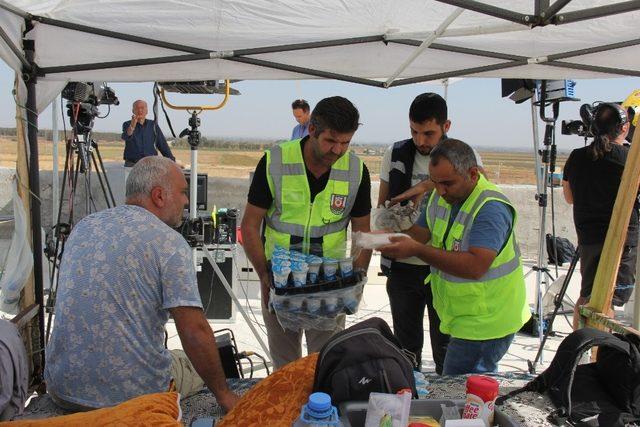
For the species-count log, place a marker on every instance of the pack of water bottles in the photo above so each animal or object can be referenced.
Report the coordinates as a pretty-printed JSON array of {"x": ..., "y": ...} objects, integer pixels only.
[{"x": 310, "y": 292}]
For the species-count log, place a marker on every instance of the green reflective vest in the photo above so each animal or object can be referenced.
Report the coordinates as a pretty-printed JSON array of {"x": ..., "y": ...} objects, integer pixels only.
[
  {"x": 293, "y": 221},
  {"x": 493, "y": 306}
]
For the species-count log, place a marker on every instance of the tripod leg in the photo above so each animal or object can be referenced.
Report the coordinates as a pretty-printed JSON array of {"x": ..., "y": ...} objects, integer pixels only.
[
  {"x": 99, "y": 173},
  {"x": 558, "y": 303},
  {"x": 106, "y": 179}
]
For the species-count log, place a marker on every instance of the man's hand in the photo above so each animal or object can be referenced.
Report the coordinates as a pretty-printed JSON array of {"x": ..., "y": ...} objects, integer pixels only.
[
  {"x": 132, "y": 125},
  {"x": 400, "y": 247},
  {"x": 415, "y": 193}
]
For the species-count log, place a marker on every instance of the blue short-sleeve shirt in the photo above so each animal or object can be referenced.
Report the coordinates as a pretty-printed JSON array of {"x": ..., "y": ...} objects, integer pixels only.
[{"x": 122, "y": 269}]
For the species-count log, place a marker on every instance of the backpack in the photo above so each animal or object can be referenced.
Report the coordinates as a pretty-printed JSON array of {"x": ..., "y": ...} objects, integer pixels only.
[
  {"x": 561, "y": 247},
  {"x": 603, "y": 393},
  {"x": 364, "y": 358}
]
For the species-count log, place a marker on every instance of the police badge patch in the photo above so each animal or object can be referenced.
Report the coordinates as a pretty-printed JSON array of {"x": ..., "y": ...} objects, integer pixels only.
[
  {"x": 338, "y": 203},
  {"x": 456, "y": 245}
]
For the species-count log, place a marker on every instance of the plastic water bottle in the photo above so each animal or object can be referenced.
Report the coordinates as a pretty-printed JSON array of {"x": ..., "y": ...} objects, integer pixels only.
[{"x": 318, "y": 412}]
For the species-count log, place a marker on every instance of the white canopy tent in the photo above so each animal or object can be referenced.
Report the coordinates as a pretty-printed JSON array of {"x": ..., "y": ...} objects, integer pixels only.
[{"x": 372, "y": 42}]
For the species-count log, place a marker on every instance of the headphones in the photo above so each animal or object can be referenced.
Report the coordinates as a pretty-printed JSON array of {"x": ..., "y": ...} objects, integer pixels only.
[{"x": 621, "y": 116}]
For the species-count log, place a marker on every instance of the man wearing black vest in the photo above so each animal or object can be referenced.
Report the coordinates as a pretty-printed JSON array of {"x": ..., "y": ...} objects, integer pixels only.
[{"x": 405, "y": 164}]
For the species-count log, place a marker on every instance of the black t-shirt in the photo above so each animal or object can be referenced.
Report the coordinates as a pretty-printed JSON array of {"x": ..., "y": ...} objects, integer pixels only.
[
  {"x": 594, "y": 185},
  {"x": 260, "y": 194}
]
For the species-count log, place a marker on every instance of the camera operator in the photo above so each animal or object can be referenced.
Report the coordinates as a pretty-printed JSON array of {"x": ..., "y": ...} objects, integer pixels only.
[
  {"x": 141, "y": 136},
  {"x": 592, "y": 175}
]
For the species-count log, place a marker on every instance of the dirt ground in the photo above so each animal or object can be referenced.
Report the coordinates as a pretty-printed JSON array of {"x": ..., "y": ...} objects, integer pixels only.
[{"x": 502, "y": 167}]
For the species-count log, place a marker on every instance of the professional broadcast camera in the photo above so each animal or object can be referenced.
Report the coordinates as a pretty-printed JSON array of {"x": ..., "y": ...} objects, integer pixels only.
[
  {"x": 629, "y": 112},
  {"x": 580, "y": 127},
  {"x": 84, "y": 99}
]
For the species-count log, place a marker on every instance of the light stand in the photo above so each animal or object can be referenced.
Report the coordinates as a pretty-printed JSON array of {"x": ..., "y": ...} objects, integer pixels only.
[
  {"x": 193, "y": 138},
  {"x": 546, "y": 166}
]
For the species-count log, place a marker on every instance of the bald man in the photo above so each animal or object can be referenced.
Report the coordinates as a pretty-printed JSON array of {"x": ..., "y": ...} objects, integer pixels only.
[{"x": 142, "y": 137}]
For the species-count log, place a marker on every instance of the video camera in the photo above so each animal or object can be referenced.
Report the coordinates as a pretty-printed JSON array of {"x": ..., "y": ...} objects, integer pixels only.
[
  {"x": 84, "y": 99},
  {"x": 588, "y": 113},
  {"x": 580, "y": 127}
]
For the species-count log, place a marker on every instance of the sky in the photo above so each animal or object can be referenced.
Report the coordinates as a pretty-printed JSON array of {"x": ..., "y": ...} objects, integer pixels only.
[{"x": 479, "y": 115}]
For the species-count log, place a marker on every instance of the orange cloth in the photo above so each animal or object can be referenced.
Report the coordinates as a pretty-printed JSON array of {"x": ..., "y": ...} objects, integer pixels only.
[
  {"x": 276, "y": 400},
  {"x": 153, "y": 410}
]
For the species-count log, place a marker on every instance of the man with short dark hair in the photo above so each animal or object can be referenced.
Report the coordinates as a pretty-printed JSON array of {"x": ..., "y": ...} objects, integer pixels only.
[
  {"x": 405, "y": 164},
  {"x": 476, "y": 272},
  {"x": 142, "y": 137},
  {"x": 294, "y": 191},
  {"x": 302, "y": 113},
  {"x": 123, "y": 272}
]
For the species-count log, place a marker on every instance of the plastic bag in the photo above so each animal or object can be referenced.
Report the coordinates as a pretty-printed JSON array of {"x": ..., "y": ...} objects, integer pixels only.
[
  {"x": 372, "y": 240},
  {"x": 19, "y": 259},
  {"x": 395, "y": 217},
  {"x": 318, "y": 310},
  {"x": 388, "y": 410}
]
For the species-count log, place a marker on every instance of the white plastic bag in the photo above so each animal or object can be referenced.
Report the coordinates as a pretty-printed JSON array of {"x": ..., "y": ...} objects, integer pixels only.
[
  {"x": 388, "y": 410},
  {"x": 19, "y": 261}
]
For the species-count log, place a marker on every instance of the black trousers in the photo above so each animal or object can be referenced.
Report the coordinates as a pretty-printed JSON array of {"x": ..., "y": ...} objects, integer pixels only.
[{"x": 408, "y": 296}]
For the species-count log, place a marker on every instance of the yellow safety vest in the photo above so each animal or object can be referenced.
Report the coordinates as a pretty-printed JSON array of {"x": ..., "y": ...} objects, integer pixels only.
[
  {"x": 495, "y": 305},
  {"x": 293, "y": 221}
]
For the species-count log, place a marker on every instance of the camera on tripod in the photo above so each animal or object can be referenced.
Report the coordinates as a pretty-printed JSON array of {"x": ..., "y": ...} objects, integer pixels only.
[
  {"x": 580, "y": 127},
  {"x": 84, "y": 99}
]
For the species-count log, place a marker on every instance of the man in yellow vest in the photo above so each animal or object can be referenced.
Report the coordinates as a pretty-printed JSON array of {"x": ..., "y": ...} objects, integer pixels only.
[
  {"x": 476, "y": 272},
  {"x": 307, "y": 191}
]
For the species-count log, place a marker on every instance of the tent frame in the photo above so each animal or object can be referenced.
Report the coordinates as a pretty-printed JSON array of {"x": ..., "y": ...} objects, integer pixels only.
[{"x": 545, "y": 14}]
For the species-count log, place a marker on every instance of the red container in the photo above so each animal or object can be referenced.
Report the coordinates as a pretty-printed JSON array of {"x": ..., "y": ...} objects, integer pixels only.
[{"x": 481, "y": 395}]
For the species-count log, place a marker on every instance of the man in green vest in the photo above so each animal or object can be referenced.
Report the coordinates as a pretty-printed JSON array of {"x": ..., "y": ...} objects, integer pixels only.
[
  {"x": 306, "y": 192},
  {"x": 476, "y": 272}
]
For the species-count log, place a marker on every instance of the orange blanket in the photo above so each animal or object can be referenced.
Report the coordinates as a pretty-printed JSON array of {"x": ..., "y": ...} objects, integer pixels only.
[
  {"x": 159, "y": 409},
  {"x": 276, "y": 400}
]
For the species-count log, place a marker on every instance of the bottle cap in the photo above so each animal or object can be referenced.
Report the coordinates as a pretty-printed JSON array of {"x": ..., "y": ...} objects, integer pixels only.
[
  {"x": 319, "y": 405},
  {"x": 485, "y": 388}
]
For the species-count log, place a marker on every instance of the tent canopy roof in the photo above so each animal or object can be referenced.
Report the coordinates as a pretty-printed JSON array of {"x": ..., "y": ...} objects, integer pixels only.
[{"x": 367, "y": 41}]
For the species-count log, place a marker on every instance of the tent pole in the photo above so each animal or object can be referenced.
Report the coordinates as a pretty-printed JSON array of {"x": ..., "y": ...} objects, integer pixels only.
[
  {"x": 458, "y": 73},
  {"x": 595, "y": 12},
  {"x": 34, "y": 184},
  {"x": 25, "y": 64},
  {"x": 496, "y": 12},
  {"x": 55, "y": 137},
  {"x": 597, "y": 69},
  {"x": 425, "y": 45}
]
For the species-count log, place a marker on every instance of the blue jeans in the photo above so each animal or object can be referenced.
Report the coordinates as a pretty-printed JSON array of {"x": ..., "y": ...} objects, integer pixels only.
[{"x": 475, "y": 357}]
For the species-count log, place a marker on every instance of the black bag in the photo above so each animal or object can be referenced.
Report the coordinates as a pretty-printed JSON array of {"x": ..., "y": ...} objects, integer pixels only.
[
  {"x": 604, "y": 393},
  {"x": 561, "y": 247},
  {"x": 362, "y": 359}
]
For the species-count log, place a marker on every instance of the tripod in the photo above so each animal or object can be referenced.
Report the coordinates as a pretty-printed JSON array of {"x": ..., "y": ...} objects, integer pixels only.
[
  {"x": 557, "y": 302},
  {"x": 544, "y": 166},
  {"x": 82, "y": 156}
]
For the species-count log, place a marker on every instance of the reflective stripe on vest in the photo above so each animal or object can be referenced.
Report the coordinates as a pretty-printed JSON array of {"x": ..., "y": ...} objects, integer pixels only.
[{"x": 285, "y": 160}]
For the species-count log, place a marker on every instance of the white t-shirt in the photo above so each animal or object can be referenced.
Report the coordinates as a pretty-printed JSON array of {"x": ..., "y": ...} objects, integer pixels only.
[{"x": 419, "y": 173}]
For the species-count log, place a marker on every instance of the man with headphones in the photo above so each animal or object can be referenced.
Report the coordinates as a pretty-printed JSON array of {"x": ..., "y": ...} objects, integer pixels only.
[{"x": 592, "y": 175}]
